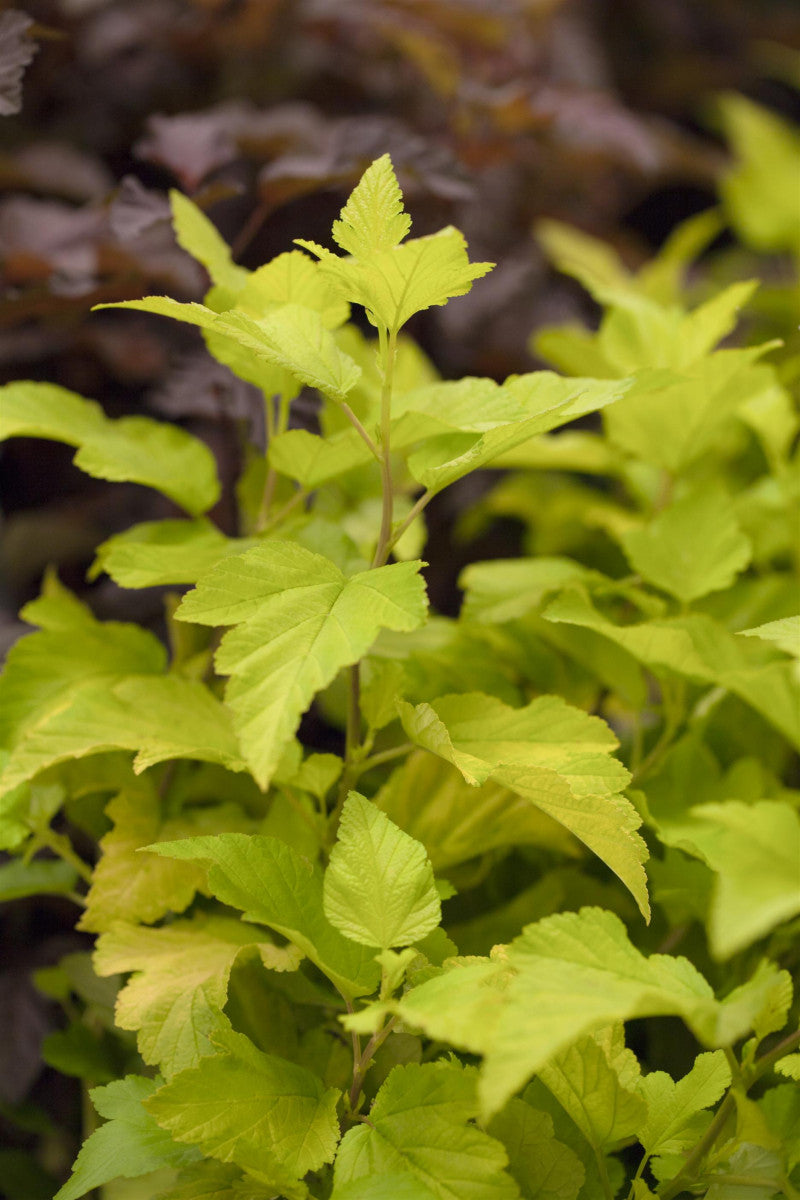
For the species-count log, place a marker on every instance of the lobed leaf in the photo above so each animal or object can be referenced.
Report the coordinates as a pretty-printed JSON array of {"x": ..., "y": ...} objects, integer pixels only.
[
  {"x": 298, "y": 620},
  {"x": 562, "y": 978},
  {"x": 262, "y": 1112},
  {"x": 597, "y": 1081},
  {"x": 175, "y": 997}
]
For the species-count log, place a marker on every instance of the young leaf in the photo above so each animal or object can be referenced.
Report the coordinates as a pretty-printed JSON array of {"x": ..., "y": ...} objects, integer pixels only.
[
  {"x": 597, "y": 1082},
  {"x": 379, "y": 888},
  {"x": 132, "y": 449},
  {"x": 373, "y": 218},
  {"x": 549, "y": 401},
  {"x": 259, "y": 1111},
  {"x": 175, "y": 998},
  {"x": 128, "y": 1145},
  {"x": 196, "y": 234},
  {"x": 275, "y": 886},
  {"x": 544, "y": 1167},
  {"x": 555, "y": 756},
  {"x": 671, "y": 1107},
  {"x": 395, "y": 284},
  {"x": 691, "y": 548},
  {"x": 299, "y": 621},
  {"x": 504, "y": 589},
  {"x": 418, "y": 1125}
]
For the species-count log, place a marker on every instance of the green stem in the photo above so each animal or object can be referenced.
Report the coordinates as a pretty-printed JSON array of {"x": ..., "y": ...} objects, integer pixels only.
[
  {"x": 62, "y": 846},
  {"x": 600, "y": 1159},
  {"x": 694, "y": 1159},
  {"x": 419, "y": 505},
  {"x": 360, "y": 430},
  {"x": 364, "y": 1062},
  {"x": 284, "y": 511},
  {"x": 388, "y": 348},
  {"x": 673, "y": 717},
  {"x": 383, "y": 756}
]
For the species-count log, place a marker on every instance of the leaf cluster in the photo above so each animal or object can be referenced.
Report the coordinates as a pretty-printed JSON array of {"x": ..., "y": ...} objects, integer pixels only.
[{"x": 406, "y": 968}]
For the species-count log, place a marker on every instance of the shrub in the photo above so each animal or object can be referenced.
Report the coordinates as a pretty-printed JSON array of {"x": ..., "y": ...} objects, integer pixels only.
[{"x": 405, "y": 969}]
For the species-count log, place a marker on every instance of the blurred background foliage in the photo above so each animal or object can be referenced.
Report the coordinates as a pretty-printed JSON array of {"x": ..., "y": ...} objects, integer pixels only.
[{"x": 510, "y": 119}]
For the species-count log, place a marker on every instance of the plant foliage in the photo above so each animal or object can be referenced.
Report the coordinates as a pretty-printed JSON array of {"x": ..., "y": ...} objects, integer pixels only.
[{"x": 406, "y": 969}]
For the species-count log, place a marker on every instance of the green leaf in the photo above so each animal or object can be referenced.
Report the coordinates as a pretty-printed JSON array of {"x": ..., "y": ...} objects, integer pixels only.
[
  {"x": 789, "y": 1066},
  {"x": 418, "y": 1125},
  {"x": 42, "y": 876},
  {"x": 295, "y": 338},
  {"x": 597, "y": 1082},
  {"x": 275, "y": 886},
  {"x": 758, "y": 192},
  {"x": 196, "y": 234},
  {"x": 291, "y": 337},
  {"x": 754, "y": 850},
  {"x": 259, "y": 1111},
  {"x": 670, "y": 1127},
  {"x": 559, "y": 980},
  {"x": 128, "y": 1145},
  {"x": 128, "y": 449},
  {"x": 379, "y": 888},
  {"x": 544, "y": 1167},
  {"x": 384, "y": 1187},
  {"x": 160, "y": 717},
  {"x": 783, "y": 633},
  {"x": 691, "y": 548},
  {"x": 291, "y": 278},
  {"x": 505, "y": 589},
  {"x": 299, "y": 621},
  {"x": 180, "y": 983},
  {"x": 546, "y": 401},
  {"x": 159, "y": 552},
  {"x": 82, "y": 1053},
  {"x": 554, "y": 755},
  {"x": 781, "y": 1107},
  {"x": 431, "y": 801},
  {"x": 373, "y": 218},
  {"x": 210, "y": 1180},
  {"x": 145, "y": 887},
  {"x": 672, "y": 419},
  {"x": 700, "y": 649}
]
